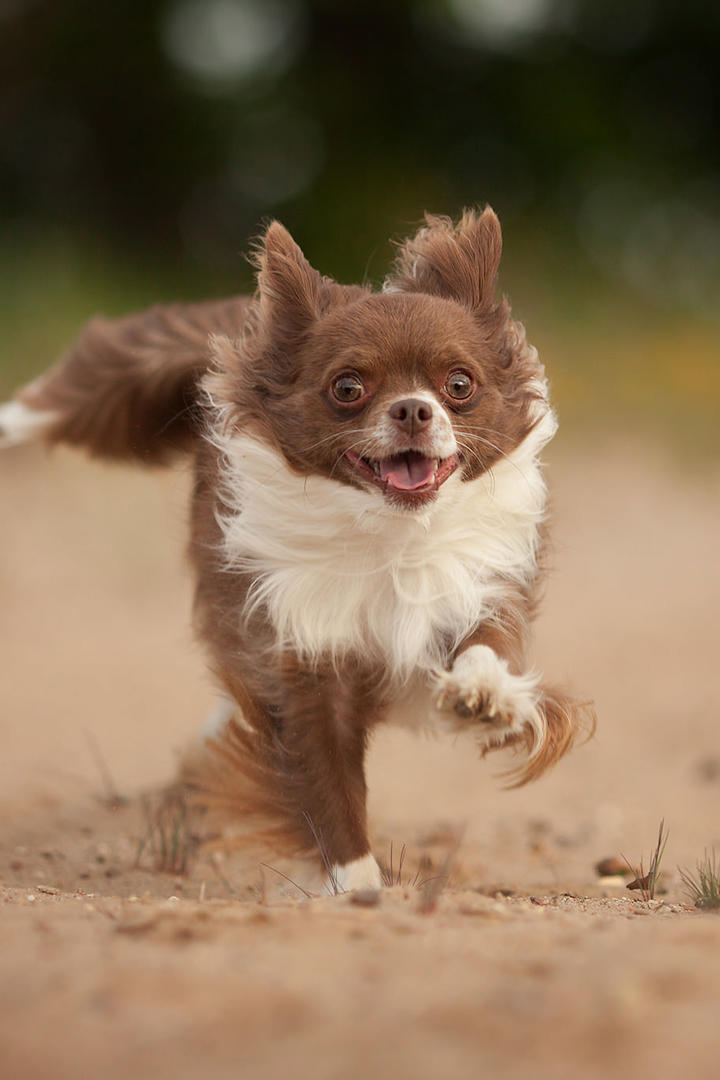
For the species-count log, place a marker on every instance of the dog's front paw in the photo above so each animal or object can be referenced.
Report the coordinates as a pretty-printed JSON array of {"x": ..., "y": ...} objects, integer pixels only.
[
  {"x": 362, "y": 873},
  {"x": 481, "y": 694}
]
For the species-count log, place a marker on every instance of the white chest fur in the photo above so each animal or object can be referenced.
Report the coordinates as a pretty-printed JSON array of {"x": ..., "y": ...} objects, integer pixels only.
[{"x": 338, "y": 571}]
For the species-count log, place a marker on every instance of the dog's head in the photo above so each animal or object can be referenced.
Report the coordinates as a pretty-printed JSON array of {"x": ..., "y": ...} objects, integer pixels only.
[{"x": 392, "y": 392}]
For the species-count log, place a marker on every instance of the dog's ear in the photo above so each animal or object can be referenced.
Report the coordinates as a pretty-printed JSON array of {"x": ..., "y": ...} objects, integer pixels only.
[
  {"x": 291, "y": 293},
  {"x": 459, "y": 262}
]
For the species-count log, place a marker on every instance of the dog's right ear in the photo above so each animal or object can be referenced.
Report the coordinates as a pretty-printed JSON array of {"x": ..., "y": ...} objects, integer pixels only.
[{"x": 291, "y": 294}]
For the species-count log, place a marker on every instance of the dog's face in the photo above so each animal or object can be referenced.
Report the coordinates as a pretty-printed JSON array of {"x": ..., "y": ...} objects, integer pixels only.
[
  {"x": 395, "y": 393},
  {"x": 392, "y": 392}
]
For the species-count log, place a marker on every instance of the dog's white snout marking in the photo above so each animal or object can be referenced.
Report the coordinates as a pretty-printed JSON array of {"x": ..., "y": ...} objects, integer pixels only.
[{"x": 419, "y": 417}]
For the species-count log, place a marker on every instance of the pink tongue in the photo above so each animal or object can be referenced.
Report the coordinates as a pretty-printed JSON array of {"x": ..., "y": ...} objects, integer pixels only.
[{"x": 407, "y": 472}]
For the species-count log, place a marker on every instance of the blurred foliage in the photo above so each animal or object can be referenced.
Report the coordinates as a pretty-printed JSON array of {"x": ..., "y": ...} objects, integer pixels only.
[{"x": 143, "y": 143}]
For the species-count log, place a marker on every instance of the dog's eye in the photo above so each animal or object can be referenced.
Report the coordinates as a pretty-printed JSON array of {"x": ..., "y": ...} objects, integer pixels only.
[
  {"x": 348, "y": 388},
  {"x": 458, "y": 385}
]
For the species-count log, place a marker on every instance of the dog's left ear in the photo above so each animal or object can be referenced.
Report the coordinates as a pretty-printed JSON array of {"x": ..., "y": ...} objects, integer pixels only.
[{"x": 459, "y": 262}]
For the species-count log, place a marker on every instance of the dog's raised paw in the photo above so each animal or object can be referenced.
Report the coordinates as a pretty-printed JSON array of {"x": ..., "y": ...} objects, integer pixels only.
[{"x": 481, "y": 694}]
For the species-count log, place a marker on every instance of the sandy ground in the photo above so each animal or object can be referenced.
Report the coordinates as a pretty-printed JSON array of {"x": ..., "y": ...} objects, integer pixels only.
[{"x": 528, "y": 962}]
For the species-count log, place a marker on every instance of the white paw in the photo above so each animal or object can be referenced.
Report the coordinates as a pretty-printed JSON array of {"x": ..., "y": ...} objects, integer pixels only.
[
  {"x": 480, "y": 694},
  {"x": 19, "y": 424},
  {"x": 361, "y": 873}
]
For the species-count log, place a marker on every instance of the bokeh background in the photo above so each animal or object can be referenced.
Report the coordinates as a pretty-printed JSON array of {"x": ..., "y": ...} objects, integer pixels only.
[{"x": 144, "y": 142}]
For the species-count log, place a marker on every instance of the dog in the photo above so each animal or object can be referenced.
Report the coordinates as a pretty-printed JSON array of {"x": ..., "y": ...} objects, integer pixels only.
[{"x": 368, "y": 516}]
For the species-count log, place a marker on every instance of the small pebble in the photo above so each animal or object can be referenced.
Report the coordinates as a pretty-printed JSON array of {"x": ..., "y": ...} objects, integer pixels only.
[
  {"x": 708, "y": 769},
  {"x": 611, "y": 866}
]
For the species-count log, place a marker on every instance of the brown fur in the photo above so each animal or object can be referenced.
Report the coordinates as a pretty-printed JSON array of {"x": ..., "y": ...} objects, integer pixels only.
[
  {"x": 304, "y": 322},
  {"x": 128, "y": 388},
  {"x": 291, "y": 764},
  {"x": 294, "y": 770},
  {"x": 566, "y": 718}
]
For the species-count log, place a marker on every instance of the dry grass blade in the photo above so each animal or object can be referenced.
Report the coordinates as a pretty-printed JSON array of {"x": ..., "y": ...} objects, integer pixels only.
[
  {"x": 275, "y": 870},
  {"x": 329, "y": 868},
  {"x": 112, "y": 797},
  {"x": 390, "y": 876},
  {"x": 431, "y": 888},
  {"x": 704, "y": 889},
  {"x": 393, "y": 876},
  {"x": 647, "y": 882},
  {"x": 214, "y": 863},
  {"x": 168, "y": 837}
]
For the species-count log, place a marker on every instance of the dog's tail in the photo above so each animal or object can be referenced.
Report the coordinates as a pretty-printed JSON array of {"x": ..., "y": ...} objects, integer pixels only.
[{"x": 126, "y": 388}]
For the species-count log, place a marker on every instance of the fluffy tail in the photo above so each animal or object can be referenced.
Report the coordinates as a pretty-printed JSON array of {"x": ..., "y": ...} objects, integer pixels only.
[{"x": 126, "y": 388}]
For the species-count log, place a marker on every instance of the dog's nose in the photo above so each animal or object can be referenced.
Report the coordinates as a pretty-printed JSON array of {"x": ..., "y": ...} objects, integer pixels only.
[{"x": 411, "y": 414}]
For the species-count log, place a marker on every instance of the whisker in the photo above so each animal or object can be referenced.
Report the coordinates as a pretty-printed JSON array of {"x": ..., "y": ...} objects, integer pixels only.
[
  {"x": 358, "y": 446},
  {"x": 336, "y": 435},
  {"x": 498, "y": 449},
  {"x": 486, "y": 473}
]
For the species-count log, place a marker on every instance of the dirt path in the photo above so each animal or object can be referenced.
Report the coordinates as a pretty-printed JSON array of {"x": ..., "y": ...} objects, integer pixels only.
[{"x": 528, "y": 965}]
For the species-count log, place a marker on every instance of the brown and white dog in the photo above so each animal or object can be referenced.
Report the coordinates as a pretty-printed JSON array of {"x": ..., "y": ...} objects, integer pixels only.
[{"x": 367, "y": 516}]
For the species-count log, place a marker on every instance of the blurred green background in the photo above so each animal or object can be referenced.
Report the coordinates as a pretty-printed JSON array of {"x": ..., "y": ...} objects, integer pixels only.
[{"x": 144, "y": 142}]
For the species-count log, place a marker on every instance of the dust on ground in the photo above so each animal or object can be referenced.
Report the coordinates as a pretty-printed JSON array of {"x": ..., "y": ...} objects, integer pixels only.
[{"x": 525, "y": 962}]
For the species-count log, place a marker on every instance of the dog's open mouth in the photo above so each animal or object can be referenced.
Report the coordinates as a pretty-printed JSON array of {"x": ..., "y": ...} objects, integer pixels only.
[{"x": 408, "y": 475}]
